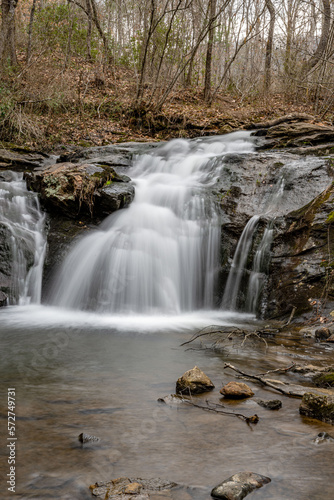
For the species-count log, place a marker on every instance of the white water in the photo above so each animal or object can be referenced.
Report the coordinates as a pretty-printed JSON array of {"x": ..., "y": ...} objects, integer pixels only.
[
  {"x": 23, "y": 222},
  {"x": 257, "y": 276},
  {"x": 160, "y": 255}
]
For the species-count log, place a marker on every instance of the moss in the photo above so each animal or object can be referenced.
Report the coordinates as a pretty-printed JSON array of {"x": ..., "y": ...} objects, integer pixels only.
[
  {"x": 320, "y": 407},
  {"x": 324, "y": 380},
  {"x": 330, "y": 217}
]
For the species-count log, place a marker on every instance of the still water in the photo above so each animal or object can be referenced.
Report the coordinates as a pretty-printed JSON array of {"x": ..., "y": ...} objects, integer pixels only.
[{"x": 76, "y": 374}]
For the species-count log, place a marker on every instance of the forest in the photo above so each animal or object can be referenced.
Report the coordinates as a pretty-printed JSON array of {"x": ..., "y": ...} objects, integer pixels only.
[{"x": 96, "y": 72}]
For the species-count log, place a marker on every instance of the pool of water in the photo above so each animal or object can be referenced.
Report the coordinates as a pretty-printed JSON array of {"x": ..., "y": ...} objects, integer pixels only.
[{"x": 77, "y": 373}]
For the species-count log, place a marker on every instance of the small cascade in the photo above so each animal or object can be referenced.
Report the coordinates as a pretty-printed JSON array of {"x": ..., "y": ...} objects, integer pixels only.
[
  {"x": 260, "y": 270},
  {"x": 232, "y": 288},
  {"x": 240, "y": 276},
  {"x": 23, "y": 241},
  {"x": 161, "y": 254}
]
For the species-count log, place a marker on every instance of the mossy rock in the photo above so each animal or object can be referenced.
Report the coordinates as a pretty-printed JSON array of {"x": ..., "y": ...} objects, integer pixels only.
[
  {"x": 319, "y": 407},
  {"x": 324, "y": 380}
]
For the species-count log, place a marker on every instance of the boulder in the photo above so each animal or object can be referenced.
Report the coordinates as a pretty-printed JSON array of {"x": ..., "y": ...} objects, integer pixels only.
[
  {"x": 239, "y": 485},
  {"x": 322, "y": 333},
  {"x": 236, "y": 390},
  {"x": 318, "y": 406},
  {"x": 324, "y": 379},
  {"x": 86, "y": 189},
  {"x": 194, "y": 381},
  {"x": 273, "y": 404}
]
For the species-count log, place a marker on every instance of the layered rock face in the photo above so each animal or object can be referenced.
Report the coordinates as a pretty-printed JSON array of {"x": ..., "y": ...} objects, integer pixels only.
[{"x": 294, "y": 194}]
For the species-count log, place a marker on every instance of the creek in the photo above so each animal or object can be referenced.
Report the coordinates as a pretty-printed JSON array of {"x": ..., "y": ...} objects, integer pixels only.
[{"x": 106, "y": 346}]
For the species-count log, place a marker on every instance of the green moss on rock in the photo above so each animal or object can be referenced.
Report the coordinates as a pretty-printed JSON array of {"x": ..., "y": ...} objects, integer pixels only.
[
  {"x": 319, "y": 407},
  {"x": 324, "y": 380}
]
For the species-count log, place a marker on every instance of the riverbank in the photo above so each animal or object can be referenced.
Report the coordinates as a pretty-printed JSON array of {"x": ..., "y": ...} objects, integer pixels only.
[{"x": 90, "y": 110}]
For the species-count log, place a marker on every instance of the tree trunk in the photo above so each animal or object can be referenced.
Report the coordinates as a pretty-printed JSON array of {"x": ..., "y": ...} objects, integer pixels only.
[
  {"x": 326, "y": 24},
  {"x": 7, "y": 35},
  {"x": 31, "y": 22},
  {"x": 208, "y": 62},
  {"x": 269, "y": 46},
  {"x": 89, "y": 30}
]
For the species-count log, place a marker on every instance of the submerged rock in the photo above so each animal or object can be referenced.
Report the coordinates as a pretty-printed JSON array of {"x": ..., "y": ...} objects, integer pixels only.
[
  {"x": 194, "y": 381},
  {"x": 323, "y": 437},
  {"x": 273, "y": 404},
  {"x": 317, "y": 406},
  {"x": 236, "y": 390},
  {"x": 125, "y": 488},
  {"x": 239, "y": 485},
  {"x": 86, "y": 438}
]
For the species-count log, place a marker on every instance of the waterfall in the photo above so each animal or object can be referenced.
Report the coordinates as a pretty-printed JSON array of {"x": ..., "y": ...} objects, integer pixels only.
[
  {"x": 161, "y": 254},
  {"x": 260, "y": 270},
  {"x": 238, "y": 265},
  {"x": 239, "y": 272},
  {"x": 23, "y": 242}
]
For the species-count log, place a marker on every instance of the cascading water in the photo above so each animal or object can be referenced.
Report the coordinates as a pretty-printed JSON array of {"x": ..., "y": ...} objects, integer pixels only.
[
  {"x": 258, "y": 273},
  {"x": 160, "y": 255},
  {"x": 23, "y": 240},
  {"x": 237, "y": 270}
]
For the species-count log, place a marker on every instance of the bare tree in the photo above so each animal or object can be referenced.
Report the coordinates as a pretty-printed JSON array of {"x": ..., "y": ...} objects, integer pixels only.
[
  {"x": 7, "y": 34},
  {"x": 208, "y": 62},
  {"x": 322, "y": 45},
  {"x": 269, "y": 46}
]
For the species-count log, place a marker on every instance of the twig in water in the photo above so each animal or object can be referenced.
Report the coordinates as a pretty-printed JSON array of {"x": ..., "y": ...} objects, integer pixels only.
[
  {"x": 217, "y": 408},
  {"x": 264, "y": 382}
]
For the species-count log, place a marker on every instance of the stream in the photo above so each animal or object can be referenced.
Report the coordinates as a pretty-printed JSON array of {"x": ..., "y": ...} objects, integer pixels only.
[{"x": 96, "y": 358}]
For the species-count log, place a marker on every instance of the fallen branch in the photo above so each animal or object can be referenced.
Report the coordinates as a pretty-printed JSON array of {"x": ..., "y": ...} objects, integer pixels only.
[
  {"x": 202, "y": 333},
  {"x": 264, "y": 382},
  {"x": 277, "y": 370},
  {"x": 217, "y": 408},
  {"x": 260, "y": 334}
]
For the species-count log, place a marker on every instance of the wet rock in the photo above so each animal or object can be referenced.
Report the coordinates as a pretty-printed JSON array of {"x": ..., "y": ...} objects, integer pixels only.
[
  {"x": 171, "y": 399},
  {"x": 318, "y": 406},
  {"x": 236, "y": 390},
  {"x": 20, "y": 158},
  {"x": 322, "y": 333},
  {"x": 323, "y": 437},
  {"x": 114, "y": 197},
  {"x": 295, "y": 134},
  {"x": 86, "y": 189},
  {"x": 273, "y": 404},
  {"x": 297, "y": 269},
  {"x": 239, "y": 486},
  {"x": 3, "y": 299},
  {"x": 125, "y": 488},
  {"x": 132, "y": 489},
  {"x": 86, "y": 438},
  {"x": 324, "y": 379},
  {"x": 194, "y": 381},
  {"x": 330, "y": 339}
]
